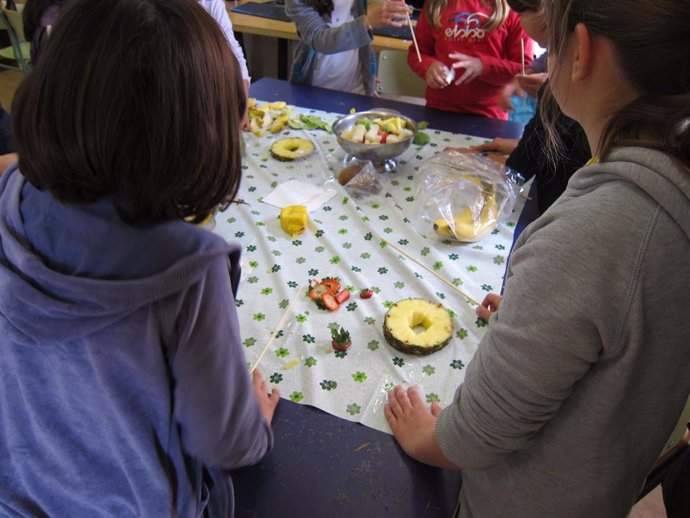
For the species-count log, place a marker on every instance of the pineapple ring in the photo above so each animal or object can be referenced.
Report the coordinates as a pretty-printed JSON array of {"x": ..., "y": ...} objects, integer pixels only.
[
  {"x": 408, "y": 316},
  {"x": 290, "y": 148}
]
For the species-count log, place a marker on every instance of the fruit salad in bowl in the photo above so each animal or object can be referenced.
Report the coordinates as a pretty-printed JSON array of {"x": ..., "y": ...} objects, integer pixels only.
[{"x": 375, "y": 135}]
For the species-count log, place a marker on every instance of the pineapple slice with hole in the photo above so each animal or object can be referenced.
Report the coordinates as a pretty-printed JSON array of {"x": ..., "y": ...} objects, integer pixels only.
[{"x": 417, "y": 326}]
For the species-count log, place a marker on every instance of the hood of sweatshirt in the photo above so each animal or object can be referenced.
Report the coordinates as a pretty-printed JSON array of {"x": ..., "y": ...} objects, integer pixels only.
[
  {"x": 81, "y": 268},
  {"x": 660, "y": 176}
]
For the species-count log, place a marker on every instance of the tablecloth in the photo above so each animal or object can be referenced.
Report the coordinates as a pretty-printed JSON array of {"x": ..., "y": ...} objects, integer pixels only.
[{"x": 345, "y": 240}]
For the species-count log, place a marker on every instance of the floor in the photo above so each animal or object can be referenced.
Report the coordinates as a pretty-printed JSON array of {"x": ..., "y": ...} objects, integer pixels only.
[{"x": 649, "y": 507}]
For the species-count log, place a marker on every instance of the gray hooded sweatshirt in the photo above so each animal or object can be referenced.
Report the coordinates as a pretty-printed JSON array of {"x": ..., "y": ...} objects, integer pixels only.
[{"x": 583, "y": 373}]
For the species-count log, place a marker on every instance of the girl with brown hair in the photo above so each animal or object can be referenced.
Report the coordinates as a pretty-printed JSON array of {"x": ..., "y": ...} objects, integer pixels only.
[
  {"x": 580, "y": 382},
  {"x": 124, "y": 387}
]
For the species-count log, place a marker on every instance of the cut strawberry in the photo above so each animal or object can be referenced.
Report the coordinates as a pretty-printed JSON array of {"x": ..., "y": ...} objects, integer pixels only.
[
  {"x": 329, "y": 301},
  {"x": 366, "y": 293},
  {"x": 342, "y": 296},
  {"x": 384, "y": 136},
  {"x": 317, "y": 291},
  {"x": 332, "y": 284}
]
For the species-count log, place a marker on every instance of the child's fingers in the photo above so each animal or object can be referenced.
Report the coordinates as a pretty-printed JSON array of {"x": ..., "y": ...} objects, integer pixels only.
[
  {"x": 471, "y": 71},
  {"x": 394, "y": 402}
]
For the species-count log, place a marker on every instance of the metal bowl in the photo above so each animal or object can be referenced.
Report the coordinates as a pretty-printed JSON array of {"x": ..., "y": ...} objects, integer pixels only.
[{"x": 377, "y": 153}]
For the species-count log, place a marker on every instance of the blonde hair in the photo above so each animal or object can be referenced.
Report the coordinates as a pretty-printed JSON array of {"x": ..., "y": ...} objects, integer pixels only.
[
  {"x": 434, "y": 8},
  {"x": 652, "y": 43}
]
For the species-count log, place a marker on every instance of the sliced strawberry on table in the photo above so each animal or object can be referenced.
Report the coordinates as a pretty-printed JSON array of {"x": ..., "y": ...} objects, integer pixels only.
[
  {"x": 316, "y": 291},
  {"x": 328, "y": 300},
  {"x": 332, "y": 284},
  {"x": 366, "y": 293},
  {"x": 342, "y": 296}
]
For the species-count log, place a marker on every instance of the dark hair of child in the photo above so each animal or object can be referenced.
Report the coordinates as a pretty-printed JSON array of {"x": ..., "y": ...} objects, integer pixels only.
[{"x": 159, "y": 148}]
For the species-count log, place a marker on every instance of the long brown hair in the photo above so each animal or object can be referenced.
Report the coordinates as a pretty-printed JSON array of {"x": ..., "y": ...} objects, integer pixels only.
[
  {"x": 434, "y": 9},
  {"x": 140, "y": 100},
  {"x": 652, "y": 42}
]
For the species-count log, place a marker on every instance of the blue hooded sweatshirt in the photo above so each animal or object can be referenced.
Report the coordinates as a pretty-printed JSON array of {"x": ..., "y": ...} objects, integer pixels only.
[{"x": 123, "y": 380}]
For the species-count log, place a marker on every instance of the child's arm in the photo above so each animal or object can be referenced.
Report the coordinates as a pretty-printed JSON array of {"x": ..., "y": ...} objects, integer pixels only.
[
  {"x": 315, "y": 32},
  {"x": 215, "y": 405},
  {"x": 425, "y": 40},
  {"x": 216, "y": 8},
  {"x": 500, "y": 70}
]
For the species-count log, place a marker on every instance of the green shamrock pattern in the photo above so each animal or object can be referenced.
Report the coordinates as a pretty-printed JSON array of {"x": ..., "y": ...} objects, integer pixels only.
[{"x": 345, "y": 240}]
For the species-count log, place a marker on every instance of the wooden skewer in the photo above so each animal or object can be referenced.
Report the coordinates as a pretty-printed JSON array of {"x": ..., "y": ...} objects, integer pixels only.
[
  {"x": 522, "y": 54},
  {"x": 276, "y": 330},
  {"x": 462, "y": 292},
  {"x": 414, "y": 38}
]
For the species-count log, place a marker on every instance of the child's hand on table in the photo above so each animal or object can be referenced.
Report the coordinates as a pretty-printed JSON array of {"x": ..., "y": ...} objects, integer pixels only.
[
  {"x": 267, "y": 401},
  {"x": 497, "y": 150},
  {"x": 489, "y": 306},
  {"x": 473, "y": 67},
  {"x": 414, "y": 426},
  {"x": 502, "y": 146}
]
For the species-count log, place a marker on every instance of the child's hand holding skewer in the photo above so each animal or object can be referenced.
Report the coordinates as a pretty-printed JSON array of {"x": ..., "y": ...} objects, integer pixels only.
[{"x": 393, "y": 13}]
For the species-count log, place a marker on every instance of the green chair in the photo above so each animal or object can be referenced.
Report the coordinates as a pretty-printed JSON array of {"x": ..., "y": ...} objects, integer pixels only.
[
  {"x": 396, "y": 77},
  {"x": 19, "y": 50}
]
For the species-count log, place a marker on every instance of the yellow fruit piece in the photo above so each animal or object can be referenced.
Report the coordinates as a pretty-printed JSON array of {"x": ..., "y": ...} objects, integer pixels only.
[
  {"x": 417, "y": 326},
  {"x": 291, "y": 364},
  {"x": 255, "y": 127},
  {"x": 279, "y": 123},
  {"x": 278, "y": 105},
  {"x": 288, "y": 148},
  {"x": 464, "y": 226},
  {"x": 294, "y": 219}
]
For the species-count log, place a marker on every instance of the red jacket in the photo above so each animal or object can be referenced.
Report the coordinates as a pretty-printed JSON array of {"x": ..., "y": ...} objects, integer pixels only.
[{"x": 461, "y": 31}]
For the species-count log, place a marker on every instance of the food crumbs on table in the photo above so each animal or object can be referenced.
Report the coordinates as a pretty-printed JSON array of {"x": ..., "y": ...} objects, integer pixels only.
[
  {"x": 362, "y": 446},
  {"x": 291, "y": 364}
]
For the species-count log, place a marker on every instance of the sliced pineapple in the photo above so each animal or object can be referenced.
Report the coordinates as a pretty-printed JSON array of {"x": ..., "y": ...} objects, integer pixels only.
[{"x": 417, "y": 326}]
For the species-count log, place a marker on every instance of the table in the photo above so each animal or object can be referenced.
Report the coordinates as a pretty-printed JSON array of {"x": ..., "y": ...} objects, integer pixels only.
[{"x": 322, "y": 462}]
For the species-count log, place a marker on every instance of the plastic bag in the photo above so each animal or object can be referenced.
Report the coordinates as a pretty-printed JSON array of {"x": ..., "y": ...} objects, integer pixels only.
[
  {"x": 463, "y": 197},
  {"x": 360, "y": 178}
]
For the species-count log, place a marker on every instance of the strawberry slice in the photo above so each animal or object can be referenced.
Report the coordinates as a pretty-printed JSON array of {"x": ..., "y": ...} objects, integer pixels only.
[
  {"x": 342, "y": 296},
  {"x": 315, "y": 292},
  {"x": 384, "y": 136},
  {"x": 329, "y": 301},
  {"x": 332, "y": 284},
  {"x": 366, "y": 293}
]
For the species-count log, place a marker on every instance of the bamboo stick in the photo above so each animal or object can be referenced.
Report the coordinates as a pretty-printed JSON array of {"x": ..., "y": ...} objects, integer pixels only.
[
  {"x": 414, "y": 38},
  {"x": 278, "y": 327},
  {"x": 462, "y": 292}
]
